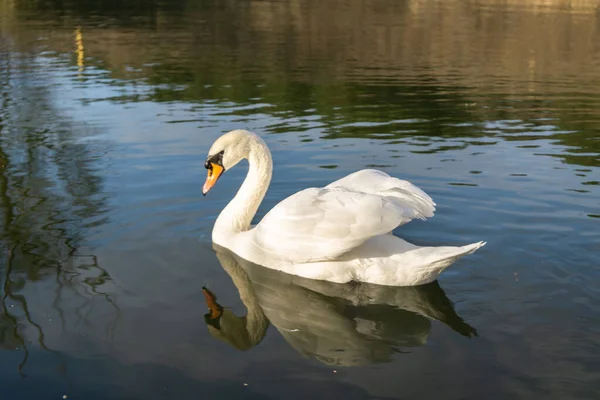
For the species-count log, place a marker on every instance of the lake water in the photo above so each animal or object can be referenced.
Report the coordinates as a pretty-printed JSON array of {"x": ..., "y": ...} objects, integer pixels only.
[{"x": 108, "y": 109}]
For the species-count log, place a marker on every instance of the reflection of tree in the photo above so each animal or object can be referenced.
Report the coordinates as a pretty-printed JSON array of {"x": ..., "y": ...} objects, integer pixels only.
[
  {"x": 363, "y": 73},
  {"x": 49, "y": 193}
]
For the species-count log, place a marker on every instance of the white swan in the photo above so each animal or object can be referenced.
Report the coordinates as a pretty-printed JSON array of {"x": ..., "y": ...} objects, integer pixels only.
[{"x": 339, "y": 233}]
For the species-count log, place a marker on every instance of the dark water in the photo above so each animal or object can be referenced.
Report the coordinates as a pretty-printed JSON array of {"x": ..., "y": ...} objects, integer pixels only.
[{"x": 107, "y": 110}]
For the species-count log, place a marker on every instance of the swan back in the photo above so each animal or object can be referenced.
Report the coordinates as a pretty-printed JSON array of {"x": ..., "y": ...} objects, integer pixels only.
[{"x": 322, "y": 224}]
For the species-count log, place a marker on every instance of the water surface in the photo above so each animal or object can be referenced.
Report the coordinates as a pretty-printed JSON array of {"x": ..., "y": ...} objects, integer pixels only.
[{"x": 107, "y": 111}]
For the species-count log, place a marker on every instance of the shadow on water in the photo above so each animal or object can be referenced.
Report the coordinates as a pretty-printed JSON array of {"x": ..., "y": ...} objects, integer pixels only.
[
  {"x": 337, "y": 324},
  {"x": 50, "y": 194}
]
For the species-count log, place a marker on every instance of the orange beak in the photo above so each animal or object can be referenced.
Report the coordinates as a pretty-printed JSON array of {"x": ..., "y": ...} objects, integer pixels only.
[
  {"x": 214, "y": 172},
  {"x": 211, "y": 302}
]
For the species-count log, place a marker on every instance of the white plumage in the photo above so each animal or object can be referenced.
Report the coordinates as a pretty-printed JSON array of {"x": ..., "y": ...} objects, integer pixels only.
[{"x": 339, "y": 233}]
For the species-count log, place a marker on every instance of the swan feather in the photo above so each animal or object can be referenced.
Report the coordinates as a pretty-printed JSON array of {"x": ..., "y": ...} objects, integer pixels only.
[{"x": 318, "y": 224}]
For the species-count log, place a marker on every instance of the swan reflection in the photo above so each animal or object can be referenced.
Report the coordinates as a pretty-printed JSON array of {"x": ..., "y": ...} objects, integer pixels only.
[{"x": 337, "y": 324}]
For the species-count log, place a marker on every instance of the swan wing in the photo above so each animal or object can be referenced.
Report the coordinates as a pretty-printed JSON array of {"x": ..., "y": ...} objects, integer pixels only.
[
  {"x": 378, "y": 182},
  {"x": 318, "y": 224}
]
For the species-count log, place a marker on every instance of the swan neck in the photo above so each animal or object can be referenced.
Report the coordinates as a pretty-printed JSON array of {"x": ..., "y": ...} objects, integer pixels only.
[
  {"x": 255, "y": 322},
  {"x": 238, "y": 214}
]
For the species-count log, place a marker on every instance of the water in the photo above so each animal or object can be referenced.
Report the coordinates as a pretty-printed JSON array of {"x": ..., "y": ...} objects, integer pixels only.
[{"x": 107, "y": 111}]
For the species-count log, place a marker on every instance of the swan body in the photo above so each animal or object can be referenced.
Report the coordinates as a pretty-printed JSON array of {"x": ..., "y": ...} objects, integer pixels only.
[{"x": 339, "y": 233}]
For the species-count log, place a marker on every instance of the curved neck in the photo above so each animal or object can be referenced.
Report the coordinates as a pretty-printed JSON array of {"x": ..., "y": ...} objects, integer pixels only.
[
  {"x": 238, "y": 214},
  {"x": 256, "y": 323}
]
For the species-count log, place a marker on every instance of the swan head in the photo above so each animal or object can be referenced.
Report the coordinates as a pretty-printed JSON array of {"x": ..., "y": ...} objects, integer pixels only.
[
  {"x": 225, "y": 153},
  {"x": 224, "y": 325}
]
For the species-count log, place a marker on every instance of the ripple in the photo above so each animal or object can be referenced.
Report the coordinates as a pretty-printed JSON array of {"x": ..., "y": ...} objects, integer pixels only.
[
  {"x": 461, "y": 184},
  {"x": 577, "y": 190}
]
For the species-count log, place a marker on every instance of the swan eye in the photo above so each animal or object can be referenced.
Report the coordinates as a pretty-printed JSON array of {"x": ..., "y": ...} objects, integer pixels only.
[{"x": 216, "y": 159}]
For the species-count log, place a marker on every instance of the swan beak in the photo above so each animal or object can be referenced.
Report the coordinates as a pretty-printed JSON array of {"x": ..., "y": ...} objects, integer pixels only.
[
  {"x": 215, "y": 309},
  {"x": 214, "y": 172}
]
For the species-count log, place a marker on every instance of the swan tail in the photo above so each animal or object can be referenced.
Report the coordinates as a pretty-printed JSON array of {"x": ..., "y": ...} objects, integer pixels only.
[
  {"x": 471, "y": 248},
  {"x": 432, "y": 261}
]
